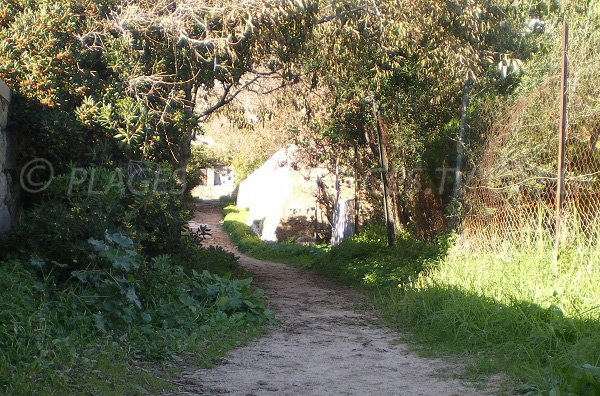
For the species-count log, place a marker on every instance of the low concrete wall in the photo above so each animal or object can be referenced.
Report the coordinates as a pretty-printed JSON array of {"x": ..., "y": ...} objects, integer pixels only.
[{"x": 7, "y": 204}]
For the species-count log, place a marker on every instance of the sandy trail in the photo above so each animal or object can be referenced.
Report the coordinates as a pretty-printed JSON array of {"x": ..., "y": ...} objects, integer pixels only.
[{"x": 321, "y": 345}]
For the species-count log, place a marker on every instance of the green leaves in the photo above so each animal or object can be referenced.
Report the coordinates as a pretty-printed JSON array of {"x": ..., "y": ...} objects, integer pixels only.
[
  {"x": 131, "y": 291},
  {"x": 119, "y": 250},
  {"x": 133, "y": 298},
  {"x": 583, "y": 380},
  {"x": 122, "y": 241},
  {"x": 100, "y": 322}
]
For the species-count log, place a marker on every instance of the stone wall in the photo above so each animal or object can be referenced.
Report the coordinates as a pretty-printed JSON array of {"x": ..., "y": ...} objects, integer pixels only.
[{"x": 7, "y": 205}]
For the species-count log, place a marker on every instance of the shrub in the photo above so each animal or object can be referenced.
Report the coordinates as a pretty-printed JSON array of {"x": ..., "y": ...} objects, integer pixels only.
[
  {"x": 366, "y": 260},
  {"x": 113, "y": 275},
  {"x": 126, "y": 305},
  {"x": 58, "y": 227}
]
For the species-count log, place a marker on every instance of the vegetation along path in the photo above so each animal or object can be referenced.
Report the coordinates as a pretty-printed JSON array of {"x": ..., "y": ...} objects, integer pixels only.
[{"x": 321, "y": 345}]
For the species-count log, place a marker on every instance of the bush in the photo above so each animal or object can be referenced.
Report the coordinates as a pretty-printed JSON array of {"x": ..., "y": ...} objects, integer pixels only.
[
  {"x": 367, "y": 261},
  {"x": 113, "y": 275},
  {"x": 58, "y": 227},
  {"x": 125, "y": 306}
]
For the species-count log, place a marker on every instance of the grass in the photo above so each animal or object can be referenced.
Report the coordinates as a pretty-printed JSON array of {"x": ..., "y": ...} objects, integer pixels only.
[
  {"x": 44, "y": 351},
  {"x": 510, "y": 313},
  {"x": 505, "y": 312},
  {"x": 113, "y": 375},
  {"x": 250, "y": 244},
  {"x": 51, "y": 345},
  {"x": 110, "y": 368},
  {"x": 209, "y": 348},
  {"x": 364, "y": 261}
]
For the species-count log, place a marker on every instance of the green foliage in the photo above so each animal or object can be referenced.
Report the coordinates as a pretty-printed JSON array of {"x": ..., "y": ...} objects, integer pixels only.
[
  {"x": 364, "y": 260},
  {"x": 520, "y": 148},
  {"x": 251, "y": 244},
  {"x": 243, "y": 167},
  {"x": 127, "y": 307},
  {"x": 50, "y": 71},
  {"x": 505, "y": 313},
  {"x": 104, "y": 83},
  {"x": 581, "y": 380},
  {"x": 367, "y": 261},
  {"x": 110, "y": 272},
  {"x": 85, "y": 203}
]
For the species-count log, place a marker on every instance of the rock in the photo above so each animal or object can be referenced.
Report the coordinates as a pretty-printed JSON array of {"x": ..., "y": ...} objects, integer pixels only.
[
  {"x": 281, "y": 197},
  {"x": 3, "y": 149}
]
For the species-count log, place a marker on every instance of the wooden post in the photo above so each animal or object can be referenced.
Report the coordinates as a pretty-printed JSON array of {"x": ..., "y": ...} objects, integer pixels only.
[
  {"x": 562, "y": 138},
  {"x": 389, "y": 226}
]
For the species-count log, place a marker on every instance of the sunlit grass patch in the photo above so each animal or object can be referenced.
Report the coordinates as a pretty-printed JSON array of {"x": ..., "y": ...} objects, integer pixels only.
[
  {"x": 512, "y": 313},
  {"x": 282, "y": 252}
]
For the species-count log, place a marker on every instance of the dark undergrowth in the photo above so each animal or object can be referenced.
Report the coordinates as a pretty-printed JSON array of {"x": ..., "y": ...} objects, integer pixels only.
[{"x": 111, "y": 294}]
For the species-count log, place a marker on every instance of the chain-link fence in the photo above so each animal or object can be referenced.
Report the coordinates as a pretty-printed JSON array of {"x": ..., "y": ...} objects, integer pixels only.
[{"x": 511, "y": 195}]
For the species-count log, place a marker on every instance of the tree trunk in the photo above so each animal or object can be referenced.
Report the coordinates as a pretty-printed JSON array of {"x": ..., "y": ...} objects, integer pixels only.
[
  {"x": 460, "y": 149},
  {"x": 356, "y": 191},
  {"x": 335, "y": 238},
  {"x": 186, "y": 154},
  {"x": 389, "y": 222}
]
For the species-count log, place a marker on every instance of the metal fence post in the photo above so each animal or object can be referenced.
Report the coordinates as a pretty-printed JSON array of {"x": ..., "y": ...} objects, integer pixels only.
[{"x": 562, "y": 138}]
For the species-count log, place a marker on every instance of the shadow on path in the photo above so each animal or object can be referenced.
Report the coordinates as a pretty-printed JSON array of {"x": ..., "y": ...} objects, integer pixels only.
[{"x": 321, "y": 345}]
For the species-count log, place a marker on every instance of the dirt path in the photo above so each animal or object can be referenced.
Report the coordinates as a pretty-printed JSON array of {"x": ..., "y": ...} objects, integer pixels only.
[{"x": 320, "y": 346}]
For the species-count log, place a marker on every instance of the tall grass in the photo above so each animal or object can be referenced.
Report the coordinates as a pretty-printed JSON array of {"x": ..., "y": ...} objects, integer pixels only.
[{"x": 508, "y": 308}]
